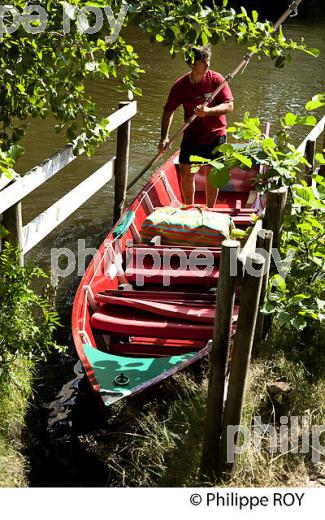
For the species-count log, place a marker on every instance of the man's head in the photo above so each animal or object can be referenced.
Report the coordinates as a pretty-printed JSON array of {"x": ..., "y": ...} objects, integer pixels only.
[{"x": 198, "y": 53}]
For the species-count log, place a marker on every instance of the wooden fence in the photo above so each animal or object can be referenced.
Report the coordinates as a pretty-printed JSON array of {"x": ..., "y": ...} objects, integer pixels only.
[{"x": 14, "y": 191}]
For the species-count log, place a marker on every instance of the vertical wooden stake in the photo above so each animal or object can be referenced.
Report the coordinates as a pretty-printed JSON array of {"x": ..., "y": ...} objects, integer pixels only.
[
  {"x": 219, "y": 355},
  {"x": 249, "y": 299},
  {"x": 322, "y": 166},
  {"x": 276, "y": 201},
  {"x": 310, "y": 156},
  {"x": 263, "y": 247},
  {"x": 121, "y": 165},
  {"x": 12, "y": 221}
]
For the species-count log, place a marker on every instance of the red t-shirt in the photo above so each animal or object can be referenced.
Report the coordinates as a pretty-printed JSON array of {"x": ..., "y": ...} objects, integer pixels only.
[{"x": 203, "y": 130}]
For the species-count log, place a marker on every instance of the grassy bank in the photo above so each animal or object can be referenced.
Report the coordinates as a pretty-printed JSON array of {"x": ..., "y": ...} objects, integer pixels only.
[
  {"x": 15, "y": 392},
  {"x": 156, "y": 439}
]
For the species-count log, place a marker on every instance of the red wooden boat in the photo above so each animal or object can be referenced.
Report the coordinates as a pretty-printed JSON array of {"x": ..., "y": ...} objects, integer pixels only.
[{"x": 131, "y": 329}]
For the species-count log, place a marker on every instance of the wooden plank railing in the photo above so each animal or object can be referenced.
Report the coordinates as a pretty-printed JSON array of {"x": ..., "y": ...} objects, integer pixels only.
[
  {"x": 12, "y": 194},
  {"x": 42, "y": 225}
]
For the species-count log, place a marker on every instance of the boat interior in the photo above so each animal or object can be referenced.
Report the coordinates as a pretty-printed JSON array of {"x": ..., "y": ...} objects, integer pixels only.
[{"x": 145, "y": 299}]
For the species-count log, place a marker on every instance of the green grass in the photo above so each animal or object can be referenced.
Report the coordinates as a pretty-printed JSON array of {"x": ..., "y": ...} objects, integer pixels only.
[
  {"x": 15, "y": 393},
  {"x": 156, "y": 438}
]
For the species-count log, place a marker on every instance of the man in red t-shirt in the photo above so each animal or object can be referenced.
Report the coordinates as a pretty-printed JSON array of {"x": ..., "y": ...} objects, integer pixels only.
[{"x": 208, "y": 130}]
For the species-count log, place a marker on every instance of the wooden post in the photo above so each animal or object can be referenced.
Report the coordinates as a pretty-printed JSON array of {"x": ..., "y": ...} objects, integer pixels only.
[
  {"x": 276, "y": 201},
  {"x": 249, "y": 300},
  {"x": 310, "y": 156},
  {"x": 12, "y": 221},
  {"x": 322, "y": 166},
  {"x": 121, "y": 165},
  {"x": 219, "y": 355},
  {"x": 263, "y": 247}
]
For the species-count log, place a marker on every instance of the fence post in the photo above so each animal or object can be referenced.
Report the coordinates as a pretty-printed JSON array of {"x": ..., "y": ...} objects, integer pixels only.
[
  {"x": 263, "y": 247},
  {"x": 322, "y": 166},
  {"x": 121, "y": 165},
  {"x": 249, "y": 300},
  {"x": 219, "y": 354},
  {"x": 276, "y": 201},
  {"x": 12, "y": 221},
  {"x": 310, "y": 156}
]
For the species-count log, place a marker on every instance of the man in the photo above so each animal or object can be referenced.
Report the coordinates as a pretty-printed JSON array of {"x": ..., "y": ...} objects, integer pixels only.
[{"x": 208, "y": 130}]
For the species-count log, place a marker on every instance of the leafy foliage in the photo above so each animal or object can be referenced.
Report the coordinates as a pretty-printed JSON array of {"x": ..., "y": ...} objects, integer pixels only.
[
  {"x": 27, "y": 321},
  {"x": 46, "y": 72},
  {"x": 299, "y": 300}
]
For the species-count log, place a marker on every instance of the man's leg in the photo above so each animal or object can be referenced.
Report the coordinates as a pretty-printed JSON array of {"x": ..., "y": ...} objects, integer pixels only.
[
  {"x": 211, "y": 193},
  {"x": 187, "y": 183}
]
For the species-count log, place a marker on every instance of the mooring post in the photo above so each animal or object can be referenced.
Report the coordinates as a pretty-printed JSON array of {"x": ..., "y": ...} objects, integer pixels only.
[
  {"x": 249, "y": 300},
  {"x": 13, "y": 223},
  {"x": 274, "y": 211},
  {"x": 219, "y": 355},
  {"x": 264, "y": 248},
  {"x": 121, "y": 165},
  {"x": 322, "y": 166},
  {"x": 310, "y": 156}
]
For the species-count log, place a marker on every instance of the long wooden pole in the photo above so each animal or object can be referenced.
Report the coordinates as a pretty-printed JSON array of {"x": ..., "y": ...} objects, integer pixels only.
[
  {"x": 240, "y": 67},
  {"x": 219, "y": 355}
]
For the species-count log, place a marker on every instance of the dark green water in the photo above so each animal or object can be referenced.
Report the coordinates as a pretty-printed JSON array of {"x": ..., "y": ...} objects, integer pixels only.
[{"x": 262, "y": 90}]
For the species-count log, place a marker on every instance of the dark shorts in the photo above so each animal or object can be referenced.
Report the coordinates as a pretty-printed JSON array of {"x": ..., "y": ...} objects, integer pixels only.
[{"x": 189, "y": 148}]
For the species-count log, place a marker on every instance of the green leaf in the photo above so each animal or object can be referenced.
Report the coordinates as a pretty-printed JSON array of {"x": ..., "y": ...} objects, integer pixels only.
[
  {"x": 219, "y": 178},
  {"x": 159, "y": 38},
  {"x": 305, "y": 196},
  {"x": 254, "y": 16},
  {"x": 307, "y": 120},
  {"x": 278, "y": 281},
  {"x": 290, "y": 119},
  {"x": 204, "y": 38},
  {"x": 238, "y": 233},
  {"x": 320, "y": 158},
  {"x": 298, "y": 298},
  {"x": 198, "y": 159},
  {"x": 104, "y": 68},
  {"x": 316, "y": 101},
  {"x": 15, "y": 151},
  {"x": 246, "y": 161}
]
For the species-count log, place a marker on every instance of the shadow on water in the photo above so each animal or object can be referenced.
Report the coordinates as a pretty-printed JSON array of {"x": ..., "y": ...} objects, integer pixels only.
[{"x": 56, "y": 455}]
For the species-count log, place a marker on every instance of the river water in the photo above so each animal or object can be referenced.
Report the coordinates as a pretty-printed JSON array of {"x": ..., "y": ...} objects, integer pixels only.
[{"x": 262, "y": 90}]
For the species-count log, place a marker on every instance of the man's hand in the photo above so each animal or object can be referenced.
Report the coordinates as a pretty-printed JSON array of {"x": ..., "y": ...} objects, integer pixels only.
[
  {"x": 163, "y": 145},
  {"x": 201, "y": 111}
]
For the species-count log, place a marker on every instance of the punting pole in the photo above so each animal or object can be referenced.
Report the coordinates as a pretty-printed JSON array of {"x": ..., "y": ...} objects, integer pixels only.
[{"x": 240, "y": 67}]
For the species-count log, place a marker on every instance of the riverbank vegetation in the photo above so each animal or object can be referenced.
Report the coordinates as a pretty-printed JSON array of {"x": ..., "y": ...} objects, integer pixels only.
[{"x": 27, "y": 324}]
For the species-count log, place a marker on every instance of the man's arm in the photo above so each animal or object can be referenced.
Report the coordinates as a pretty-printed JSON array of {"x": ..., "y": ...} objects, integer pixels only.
[
  {"x": 165, "y": 126},
  {"x": 218, "y": 110}
]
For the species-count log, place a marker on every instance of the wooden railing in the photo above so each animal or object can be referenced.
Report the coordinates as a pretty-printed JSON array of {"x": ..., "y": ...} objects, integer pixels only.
[{"x": 13, "y": 192}]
